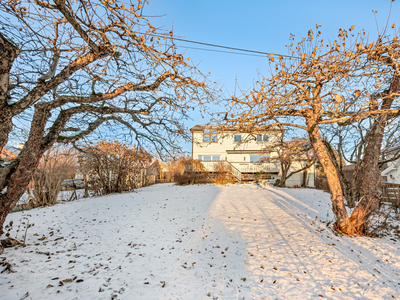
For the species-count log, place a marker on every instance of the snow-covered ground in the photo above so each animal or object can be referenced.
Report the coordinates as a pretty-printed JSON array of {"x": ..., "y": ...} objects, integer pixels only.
[{"x": 197, "y": 242}]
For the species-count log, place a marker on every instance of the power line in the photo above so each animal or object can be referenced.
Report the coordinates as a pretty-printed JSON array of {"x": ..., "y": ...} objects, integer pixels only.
[
  {"x": 253, "y": 52},
  {"x": 221, "y": 51},
  {"x": 220, "y": 46}
]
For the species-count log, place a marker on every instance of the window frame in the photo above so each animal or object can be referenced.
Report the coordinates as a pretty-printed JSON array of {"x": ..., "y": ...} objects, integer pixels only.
[
  {"x": 237, "y": 135},
  {"x": 209, "y": 157},
  {"x": 267, "y": 158},
  {"x": 262, "y": 138},
  {"x": 211, "y": 135}
]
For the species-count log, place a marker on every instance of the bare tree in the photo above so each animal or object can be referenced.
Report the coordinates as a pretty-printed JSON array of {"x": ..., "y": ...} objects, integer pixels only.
[
  {"x": 342, "y": 82},
  {"x": 287, "y": 153},
  {"x": 349, "y": 143},
  {"x": 70, "y": 67},
  {"x": 55, "y": 166},
  {"x": 114, "y": 167}
]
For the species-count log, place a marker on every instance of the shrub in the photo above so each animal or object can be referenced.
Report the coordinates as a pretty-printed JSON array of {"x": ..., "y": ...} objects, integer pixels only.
[
  {"x": 114, "y": 167},
  {"x": 222, "y": 174},
  {"x": 189, "y": 171},
  {"x": 55, "y": 166}
]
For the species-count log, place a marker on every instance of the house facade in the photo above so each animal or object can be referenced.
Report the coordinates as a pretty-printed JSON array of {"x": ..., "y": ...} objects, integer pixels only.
[
  {"x": 245, "y": 152},
  {"x": 9, "y": 153},
  {"x": 391, "y": 174}
]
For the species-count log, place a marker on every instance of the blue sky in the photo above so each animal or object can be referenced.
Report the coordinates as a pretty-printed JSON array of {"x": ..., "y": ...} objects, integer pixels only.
[{"x": 258, "y": 25}]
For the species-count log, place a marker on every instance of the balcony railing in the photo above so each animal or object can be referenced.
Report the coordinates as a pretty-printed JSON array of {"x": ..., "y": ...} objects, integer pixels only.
[
  {"x": 253, "y": 167},
  {"x": 210, "y": 165},
  {"x": 237, "y": 168},
  {"x": 222, "y": 165}
]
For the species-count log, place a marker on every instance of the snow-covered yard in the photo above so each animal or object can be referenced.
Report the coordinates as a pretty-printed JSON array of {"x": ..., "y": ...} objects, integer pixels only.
[{"x": 197, "y": 242}]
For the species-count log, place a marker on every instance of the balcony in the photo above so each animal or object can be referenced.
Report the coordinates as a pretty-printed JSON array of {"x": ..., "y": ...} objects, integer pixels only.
[
  {"x": 255, "y": 167},
  {"x": 250, "y": 167}
]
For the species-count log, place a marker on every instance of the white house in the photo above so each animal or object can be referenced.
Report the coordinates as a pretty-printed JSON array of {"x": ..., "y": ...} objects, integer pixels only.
[
  {"x": 244, "y": 152},
  {"x": 391, "y": 174}
]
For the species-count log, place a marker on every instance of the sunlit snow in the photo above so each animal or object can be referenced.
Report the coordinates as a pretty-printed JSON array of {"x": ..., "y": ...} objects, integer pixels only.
[{"x": 197, "y": 242}]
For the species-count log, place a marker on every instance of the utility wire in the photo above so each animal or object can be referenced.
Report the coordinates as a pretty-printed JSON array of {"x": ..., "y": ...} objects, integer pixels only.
[
  {"x": 219, "y": 46},
  {"x": 221, "y": 51},
  {"x": 252, "y": 52}
]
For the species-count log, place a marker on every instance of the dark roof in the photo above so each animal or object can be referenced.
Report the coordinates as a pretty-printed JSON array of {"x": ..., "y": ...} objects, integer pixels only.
[
  {"x": 348, "y": 168},
  {"x": 235, "y": 128}
]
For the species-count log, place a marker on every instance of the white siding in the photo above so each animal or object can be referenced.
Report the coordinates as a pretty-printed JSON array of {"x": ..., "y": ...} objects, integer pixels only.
[
  {"x": 392, "y": 172},
  {"x": 225, "y": 143}
]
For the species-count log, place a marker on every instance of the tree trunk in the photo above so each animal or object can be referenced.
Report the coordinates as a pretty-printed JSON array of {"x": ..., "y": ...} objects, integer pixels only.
[
  {"x": 18, "y": 182},
  {"x": 369, "y": 174},
  {"x": 5, "y": 129},
  {"x": 8, "y": 53},
  {"x": 370, "y": 178},
  {"x": 304, "y": 178},
  {"x": 284, "y": 170},
  {"x": 338, "y": 207},
  {"x": 22, "y": 168}
]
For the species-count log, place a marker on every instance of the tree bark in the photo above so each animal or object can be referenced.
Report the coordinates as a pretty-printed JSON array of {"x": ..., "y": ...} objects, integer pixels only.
[
  {"x": 338, "y": 206},
  {"x": 8, "y": 53},
  {"x": 23, "y": 167},
  {"x": 284, "y": 168},
  {"x": 304, "y": 179},
  {"x": 5, "y": 129},
  {"x": 369, "y": 180}
]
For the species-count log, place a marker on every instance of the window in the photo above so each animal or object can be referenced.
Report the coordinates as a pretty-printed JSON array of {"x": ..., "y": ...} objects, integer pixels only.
[
  {"x": 209, "y": 136},
  {"x": 208, "y": 157},
  {"x": 262, "y": 138},
  {"x": 237, "y": 138},
  {"x": 259, "y": 158}
]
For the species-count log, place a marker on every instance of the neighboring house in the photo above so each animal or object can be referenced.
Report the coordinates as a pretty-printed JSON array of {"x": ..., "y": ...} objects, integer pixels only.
[
  {"x": 150, "y": 174},
  {"x": 8, "y": 153},
  {"x": 244, "y": 152},
  {"x": 391, "y": 174}
]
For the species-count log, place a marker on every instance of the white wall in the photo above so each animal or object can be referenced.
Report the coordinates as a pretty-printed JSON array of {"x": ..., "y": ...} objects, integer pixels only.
[
  {"x": 392, "y": 172},
  {"x": 241, "y": 161},
  {"x": 226, "y": 142},
  {"x": 297, "y": 178}
]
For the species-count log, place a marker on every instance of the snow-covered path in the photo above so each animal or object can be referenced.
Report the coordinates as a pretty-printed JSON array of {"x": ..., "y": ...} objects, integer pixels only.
[{"x": 197, "y": 242}]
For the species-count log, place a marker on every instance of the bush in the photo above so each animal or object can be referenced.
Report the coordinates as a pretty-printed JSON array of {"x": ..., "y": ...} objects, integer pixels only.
[
  {"x": 223, "y": 175},
  {"x": 277, "y": 182},
  {"x": 55, "y": 166},
  {"x": 189, "y": 171},
  {"x": 190, "y": 178},
  {"x": 114, "y": 167}
]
